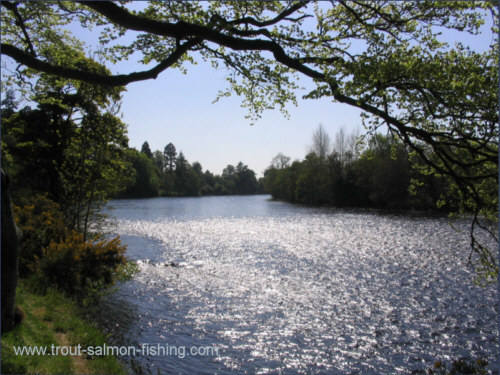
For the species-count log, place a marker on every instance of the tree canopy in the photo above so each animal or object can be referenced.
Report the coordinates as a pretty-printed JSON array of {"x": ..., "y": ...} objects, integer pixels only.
[
  {"x": 375, "y": 174},
  {"x": 153, "y": 176},
  {"x": 382, "y": 57}
]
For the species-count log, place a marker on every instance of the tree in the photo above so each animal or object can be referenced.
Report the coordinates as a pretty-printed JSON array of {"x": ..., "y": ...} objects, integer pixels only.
[
  {"x": 8, "y": 104},
  {"x": 237, "y": 180},
  {"x": 384, "y": 173},
  {"x": 208, "y": 187},
  {"x": 245, "y": 180},
  {"x": 340, "y": 144},
  {"x": 187, "y": 180},
  {"x": 71, "y": 147},
  {"x": 312, "y": 184},
  {"x": 280, "y": 161},
  {"x": 170, "y": 157},
  {"x": 181, "y": 164},
  {"x": 281, "y": 183},
  {"x": 197, "y": 168},
  {"x": 146, "y": 180},
  {"x": 228, "y": 179},
  {"x": 159, "y": 160},
  {"x": 145, "y": 149},
  {"x": 321, "y": 143},
  {"x": 9, "y": 257},
  {"x": 37, "y": 140},
  {"x": 95, "y": 167},
  {"x": 440, "y": 100}
]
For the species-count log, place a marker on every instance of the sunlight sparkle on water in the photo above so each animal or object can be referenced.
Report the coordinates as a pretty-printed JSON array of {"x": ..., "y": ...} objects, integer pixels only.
[{"x": 334, "y": 292}]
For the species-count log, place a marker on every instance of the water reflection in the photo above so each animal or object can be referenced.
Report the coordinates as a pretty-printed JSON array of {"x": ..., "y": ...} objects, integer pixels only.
[{"x": 284, "y": 289}]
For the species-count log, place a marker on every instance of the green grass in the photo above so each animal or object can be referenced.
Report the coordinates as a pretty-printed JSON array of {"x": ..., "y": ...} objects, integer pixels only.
[{"x": 52, "y": 319}]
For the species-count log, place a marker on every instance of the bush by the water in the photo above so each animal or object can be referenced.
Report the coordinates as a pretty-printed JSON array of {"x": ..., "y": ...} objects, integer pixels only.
[
  {"x": 40, "y": 221},
  {"x": 54, "y": 255},
  {"x": 78, "y": 267}
]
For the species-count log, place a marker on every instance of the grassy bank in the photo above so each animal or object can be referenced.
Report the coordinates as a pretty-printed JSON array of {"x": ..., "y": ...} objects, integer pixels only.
[{"x": 53, "y": 319}]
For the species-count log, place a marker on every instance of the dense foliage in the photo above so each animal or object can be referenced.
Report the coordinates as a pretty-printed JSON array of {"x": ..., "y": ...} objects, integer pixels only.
[
  {"x": 55, "y": 255},
  {"x": 79, "y": 267},
  {"x": 71, "y": 147},
  {"x": 40, "y": 221},
  {"x": 65, "y": 158},
  {"x": 378, "y": 175},
  {"x": 168, "y": 174}
]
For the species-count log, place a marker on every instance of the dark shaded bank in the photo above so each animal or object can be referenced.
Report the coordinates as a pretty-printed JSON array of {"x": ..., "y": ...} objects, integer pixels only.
[
  {"x": 403, "y": 212},
  {"x": 10, "y": 258},
  {"x": 382, "y": 176}
]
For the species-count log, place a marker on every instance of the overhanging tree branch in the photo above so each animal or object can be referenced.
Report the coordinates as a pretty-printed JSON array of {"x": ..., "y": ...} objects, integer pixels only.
[
  {"x": 94, "y": 78},
  {"x": 283, "y": 15},
  {"x": 182, "y": 30},
  {"x": 20, "y": 22}
]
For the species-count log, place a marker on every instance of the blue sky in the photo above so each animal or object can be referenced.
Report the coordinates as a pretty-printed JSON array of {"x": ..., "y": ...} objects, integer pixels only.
[{"x": 178, "y": 108}]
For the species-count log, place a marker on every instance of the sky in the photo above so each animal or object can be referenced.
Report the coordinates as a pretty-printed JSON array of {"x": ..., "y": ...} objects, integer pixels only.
[{"x": 179, "y": 108}]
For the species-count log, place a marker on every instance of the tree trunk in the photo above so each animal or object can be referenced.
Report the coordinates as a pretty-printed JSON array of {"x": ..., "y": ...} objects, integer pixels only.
[{"x": 10, "y": 256}]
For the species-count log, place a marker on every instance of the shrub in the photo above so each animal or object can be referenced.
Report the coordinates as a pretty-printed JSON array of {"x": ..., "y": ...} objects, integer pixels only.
[
  {"x": 52, "y": 255},
  {"x": 40, "y": 221},
  {"x": 82, "y": 268}
]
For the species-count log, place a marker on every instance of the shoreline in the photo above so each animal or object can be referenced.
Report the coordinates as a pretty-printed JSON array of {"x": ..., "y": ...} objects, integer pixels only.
[{"x": 55, "y": 326}]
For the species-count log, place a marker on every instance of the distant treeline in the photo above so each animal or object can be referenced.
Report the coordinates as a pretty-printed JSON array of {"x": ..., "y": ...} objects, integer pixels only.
[
  {"x": 80, "y": 164},
  {"x": 170, "y": 174},
  {"x": 378, "y": 173}
]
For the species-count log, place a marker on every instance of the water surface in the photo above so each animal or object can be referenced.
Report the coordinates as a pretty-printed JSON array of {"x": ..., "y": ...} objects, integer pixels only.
[{"x": 278, "y": 288}]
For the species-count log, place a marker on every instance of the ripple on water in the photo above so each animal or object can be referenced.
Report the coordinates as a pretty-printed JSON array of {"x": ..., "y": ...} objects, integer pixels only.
[{"x": 334, "y": 293}]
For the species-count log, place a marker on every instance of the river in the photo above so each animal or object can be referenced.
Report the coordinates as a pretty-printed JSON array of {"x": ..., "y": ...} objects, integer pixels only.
[{"x": 249, "y": 285}]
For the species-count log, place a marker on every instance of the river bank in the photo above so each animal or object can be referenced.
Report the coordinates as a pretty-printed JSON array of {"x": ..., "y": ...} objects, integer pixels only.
[{"x": 53, "y": 321}]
